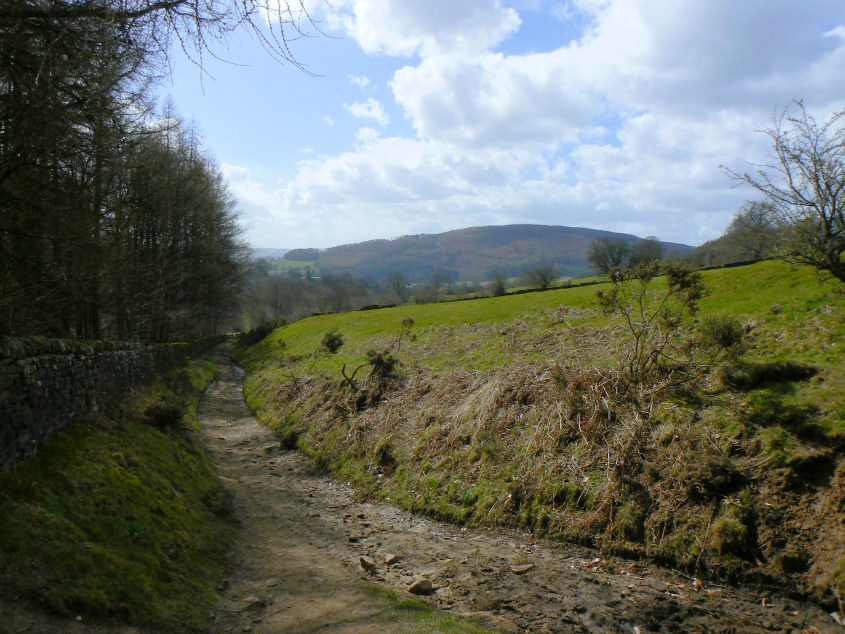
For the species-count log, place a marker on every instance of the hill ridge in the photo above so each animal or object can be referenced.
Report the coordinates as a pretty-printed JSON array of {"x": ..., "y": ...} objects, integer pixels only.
[{"x": 471, "y": 253}]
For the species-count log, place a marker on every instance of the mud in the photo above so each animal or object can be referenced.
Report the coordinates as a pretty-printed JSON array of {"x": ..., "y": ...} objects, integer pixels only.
[{"x": 307, "y": 541}]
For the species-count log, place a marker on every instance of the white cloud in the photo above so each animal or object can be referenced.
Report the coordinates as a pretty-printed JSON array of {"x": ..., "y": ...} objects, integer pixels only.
[
  {"x": 370, "y": 109},
  {"x": 361, "y": 82},
  {"x": 428, "y": 27},
  {"x": 366, "y": 135},
  {"x": 328, "y": 121},
  {"x": 498, "y": 100}
]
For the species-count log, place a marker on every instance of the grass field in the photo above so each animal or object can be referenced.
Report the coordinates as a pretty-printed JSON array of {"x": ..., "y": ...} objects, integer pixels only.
[
  {"x": 121, "y": 517},
  {"x": 497, "y": 416},
  {"x": 280, "y": 266}
]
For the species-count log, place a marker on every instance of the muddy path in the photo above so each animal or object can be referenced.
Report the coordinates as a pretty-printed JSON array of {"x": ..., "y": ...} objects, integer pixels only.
[{"x": 307, "y": 542}]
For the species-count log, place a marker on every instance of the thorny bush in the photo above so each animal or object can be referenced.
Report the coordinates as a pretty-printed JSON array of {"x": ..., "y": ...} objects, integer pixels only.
[
  {"x": 332, "y": 341},
  {"x": 660, "y": 343}
]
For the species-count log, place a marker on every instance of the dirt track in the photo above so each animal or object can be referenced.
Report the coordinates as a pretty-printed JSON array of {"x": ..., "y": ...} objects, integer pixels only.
[{"x": 299, "y": 559}]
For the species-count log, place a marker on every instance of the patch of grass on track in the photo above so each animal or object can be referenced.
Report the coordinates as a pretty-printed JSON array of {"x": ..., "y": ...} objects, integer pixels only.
[{"x": 412, "y": 615}]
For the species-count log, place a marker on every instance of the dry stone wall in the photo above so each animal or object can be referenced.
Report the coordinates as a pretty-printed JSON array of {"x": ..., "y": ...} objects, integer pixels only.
[{"x": 46, "y": 384}]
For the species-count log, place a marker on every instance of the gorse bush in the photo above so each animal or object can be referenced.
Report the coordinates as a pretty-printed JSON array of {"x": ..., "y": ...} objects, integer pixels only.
[
  {"x": 382, "y": 364},
  {"x": 332, "y": 342},
  {"x": 723, "y": 335},
  {"x": 652, "y": 315}
]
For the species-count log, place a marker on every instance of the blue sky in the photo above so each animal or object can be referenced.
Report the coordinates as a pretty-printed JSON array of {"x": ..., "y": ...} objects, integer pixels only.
[{"x": 431, "y": 115}]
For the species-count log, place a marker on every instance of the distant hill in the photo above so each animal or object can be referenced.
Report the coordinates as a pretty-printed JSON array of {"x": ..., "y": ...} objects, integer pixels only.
[{"x": 468, "y": 254}]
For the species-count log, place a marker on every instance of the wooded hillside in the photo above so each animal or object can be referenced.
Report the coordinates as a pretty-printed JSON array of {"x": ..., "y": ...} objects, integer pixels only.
[{"x": 468, "y": 254}]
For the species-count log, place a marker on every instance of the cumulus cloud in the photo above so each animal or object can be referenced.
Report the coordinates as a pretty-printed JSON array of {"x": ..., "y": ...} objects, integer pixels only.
[
  {"x": 370, "y": 109},
  {"x": 495, "y": 99},
  {"x": 366, "y": 135},
  {"x": 636, "y": 55},
  {"x": 427, "y": 27}
]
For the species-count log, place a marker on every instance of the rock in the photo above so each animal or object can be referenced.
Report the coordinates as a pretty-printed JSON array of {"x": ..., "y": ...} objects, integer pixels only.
[
  {"x": 367, "y": 563},
  {"x": 252, "y": 602},
  {"x": 421, "y": 586},
  {"x": 521, "y": 569},
  {"x": 391, "y": 558}
]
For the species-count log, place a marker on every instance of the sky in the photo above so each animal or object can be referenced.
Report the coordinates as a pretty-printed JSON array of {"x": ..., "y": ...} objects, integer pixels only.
[{"x": 422, "y": 116}]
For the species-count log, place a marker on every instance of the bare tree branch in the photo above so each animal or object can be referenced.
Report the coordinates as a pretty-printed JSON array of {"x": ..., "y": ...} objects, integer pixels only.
[{"x": 805, "y": 187}]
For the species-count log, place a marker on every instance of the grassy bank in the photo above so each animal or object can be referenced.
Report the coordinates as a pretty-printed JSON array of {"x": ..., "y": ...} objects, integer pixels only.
[
  {"x": 121, "y": 517},
  {"x": 511, "y": 410}
]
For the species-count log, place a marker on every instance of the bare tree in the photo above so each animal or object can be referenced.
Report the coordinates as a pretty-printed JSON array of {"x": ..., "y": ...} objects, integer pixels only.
[
  {"x": 805, "y": 185},
  {"x": 753, "y": 232},
  {"x": 646, "y": 251},
  {"x": 195, "y": 24},
  {"x": 540, "y": 277},
  {"x": 399, "y": 287},
  {"x": 499, "y": 283},
  {"x": 607, "y": 254}
]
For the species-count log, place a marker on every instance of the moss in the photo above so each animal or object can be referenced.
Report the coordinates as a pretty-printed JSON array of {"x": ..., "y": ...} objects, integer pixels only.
[
  {"x": 630, "y": 521},
  {"x": 115, "y": 518},
  {"x": 730, "y": 536},
  {"x": 733, "y": 532}
]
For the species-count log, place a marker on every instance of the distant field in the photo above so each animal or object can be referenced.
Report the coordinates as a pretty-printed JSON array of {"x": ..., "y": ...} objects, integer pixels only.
[
  {"x": 279, "y": 266},
  {"x": 486, "y": 423}
]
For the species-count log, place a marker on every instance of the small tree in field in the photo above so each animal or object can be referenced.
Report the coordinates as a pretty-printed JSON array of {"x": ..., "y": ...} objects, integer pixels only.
[
  {"x": 805, "y": 186},
  {"x": 646, "y": 251},
  {"x": 753, "y": 232},
  {"x": 605, "y": 255},
  {"x": 499, "y": 285},
  {"x": 540, "y": 277}
]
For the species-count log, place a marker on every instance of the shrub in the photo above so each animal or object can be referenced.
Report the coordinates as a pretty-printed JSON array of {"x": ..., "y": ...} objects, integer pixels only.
[
  {"x": 332, "y": 341},
  {"x": 163, "y": 416},
  {"x": 722, "y": 334},
  {"x": 259, "y": 332},
  {"x": 652, "y": 315},
  {"x": 382, "y": 364}
]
